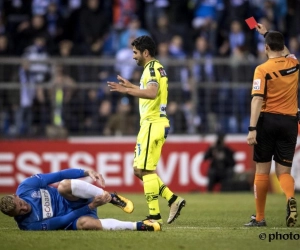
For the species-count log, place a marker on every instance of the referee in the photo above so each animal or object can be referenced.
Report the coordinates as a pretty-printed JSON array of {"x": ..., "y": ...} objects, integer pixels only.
[{"x": 274, "y": 124}]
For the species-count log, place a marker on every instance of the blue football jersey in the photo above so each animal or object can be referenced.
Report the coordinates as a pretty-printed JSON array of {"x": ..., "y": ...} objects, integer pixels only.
[{"x": 49, "y": 210}]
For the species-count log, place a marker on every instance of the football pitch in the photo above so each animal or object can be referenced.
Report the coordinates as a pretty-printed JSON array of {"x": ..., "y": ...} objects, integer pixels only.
[{"x": 209, "y": 221}]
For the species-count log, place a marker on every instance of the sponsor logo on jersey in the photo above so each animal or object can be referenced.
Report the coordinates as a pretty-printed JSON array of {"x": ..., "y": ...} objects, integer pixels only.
[
  {"x": 163, "y": 109},
  {"x": 46, "y": 204},
  {"x": 162, "y": 72},
  {"x": 36, "y": 194},
  {"x": 152, "y": 72},
  {"x": 256, "y": 84}
]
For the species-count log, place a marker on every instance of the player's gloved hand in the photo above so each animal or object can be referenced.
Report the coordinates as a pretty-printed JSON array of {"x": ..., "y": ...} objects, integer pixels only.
[
  {"x": 96, "y": 177},
  {"x": 100, "y": 200}
]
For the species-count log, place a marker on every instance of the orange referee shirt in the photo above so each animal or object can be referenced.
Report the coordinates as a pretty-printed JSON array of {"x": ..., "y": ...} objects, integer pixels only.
[{"x": 276, "y": 81}]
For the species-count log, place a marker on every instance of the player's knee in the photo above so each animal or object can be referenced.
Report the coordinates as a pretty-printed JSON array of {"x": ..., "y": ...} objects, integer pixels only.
[
  {"x": 88, "y": 223},
  {"x": 137, "y": 173},
  {"x": 64, "y": 186},
  {"x": 280, "y": 169}
]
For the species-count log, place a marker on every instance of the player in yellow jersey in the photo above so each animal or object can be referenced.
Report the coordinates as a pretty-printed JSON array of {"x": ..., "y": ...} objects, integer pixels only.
[{"x": 154, "y": 126}]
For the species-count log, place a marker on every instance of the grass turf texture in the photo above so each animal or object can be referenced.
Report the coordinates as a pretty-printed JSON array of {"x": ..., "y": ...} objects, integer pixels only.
[{"x": 209, "y": 221}]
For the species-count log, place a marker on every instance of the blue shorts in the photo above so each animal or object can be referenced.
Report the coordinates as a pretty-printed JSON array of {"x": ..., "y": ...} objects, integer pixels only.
[{"x": 78, "y": 204}]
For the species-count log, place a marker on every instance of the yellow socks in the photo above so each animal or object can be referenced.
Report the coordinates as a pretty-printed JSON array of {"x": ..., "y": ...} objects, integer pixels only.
[
  {"x": 164, "y": 191},
  {"x": 151, "y": 191}
]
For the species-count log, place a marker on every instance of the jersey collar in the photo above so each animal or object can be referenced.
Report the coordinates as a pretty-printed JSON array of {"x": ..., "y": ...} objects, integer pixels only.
[{"x": 150, "y": 62}]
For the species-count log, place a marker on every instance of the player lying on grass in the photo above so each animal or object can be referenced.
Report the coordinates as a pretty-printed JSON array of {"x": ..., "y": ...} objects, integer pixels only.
[{"x": 71, "y": 206}]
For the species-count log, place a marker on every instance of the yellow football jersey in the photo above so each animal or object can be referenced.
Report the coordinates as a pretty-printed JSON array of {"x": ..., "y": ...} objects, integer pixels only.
[{"x": 152, "y": 110}]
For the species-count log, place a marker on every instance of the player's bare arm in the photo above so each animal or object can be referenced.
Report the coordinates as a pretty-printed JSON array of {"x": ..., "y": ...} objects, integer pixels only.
[
  {"x": 149, "y": 93},
  {"x": 255, "y": 112}
]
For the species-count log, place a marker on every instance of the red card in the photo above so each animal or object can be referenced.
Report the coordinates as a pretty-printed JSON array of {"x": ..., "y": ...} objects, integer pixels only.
[{"x": 251, "y": 22}]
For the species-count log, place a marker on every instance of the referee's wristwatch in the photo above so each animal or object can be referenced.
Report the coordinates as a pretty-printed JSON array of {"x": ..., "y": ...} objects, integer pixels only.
[{"x": 251, "y": 128}]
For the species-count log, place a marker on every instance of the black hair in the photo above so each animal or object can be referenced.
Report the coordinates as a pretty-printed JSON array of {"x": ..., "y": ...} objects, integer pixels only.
[
  {"x": 275, "y": 41},
  {"x": 143, "y": 43}
]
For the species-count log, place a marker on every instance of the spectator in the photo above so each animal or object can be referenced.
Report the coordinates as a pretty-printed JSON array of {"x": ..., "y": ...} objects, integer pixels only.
[
  {"x": 203, "y": 70},
  {"x": 180, "y": 16},
  {"x": 14, "y": 13},
  {"x": 104, "y": 112},
  {"x": 54, "y": 23},
  {"x": 134, "y": 29},
  {"x": 292, "y": 18},
  {"x": 37, "y": 55},
  {"x": 193, "y": 120},
  {"x": 41, "y": 111},
  {"x": 69, "y": 6},
  {"x": 123, "y": 122},
  {"x": 180, "y": 71},
  {"x": 237, "y": 36},
  {"x": 236, "y": 10},
  {"x": 63, "y": 97},
  {"x": 163, "y": 31},
  {"x": 123, "y": 12},
  {"x": 163, "y": 54},
  {"x": 91, "y": 107},
  {"x": 294, "y": 46},
  {"x": 71, "y": 13},
  {"x": 125, "y": 66},
  {"x": 40, "y": 7},
  {"x": 240, "y": 104},
  {"x": 176, "y": 118},
  {"x": 2, "y": 26},
  {"x": 97, "y": 114},
  {"x": 203, "y": 74},
  {"x": 68, "y": 49},
  {"x": 207, "y": 14},
  {"x": 4, "y": 46},
  {"x": 24, "y": 115},
  {"x": 93, "y": 36},
  {"x": 153, "y": 9},
  {"x": 28, "y": 31},
  {"x": 222, "y": 161},
  {"x": 6, "y": 70}
]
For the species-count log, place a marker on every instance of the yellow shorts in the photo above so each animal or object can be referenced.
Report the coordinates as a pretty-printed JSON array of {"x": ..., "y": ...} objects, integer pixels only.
[{"x": 151, "y": 138}]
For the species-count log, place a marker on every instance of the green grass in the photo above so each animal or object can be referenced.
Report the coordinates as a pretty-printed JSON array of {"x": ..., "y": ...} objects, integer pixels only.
[{"x": 209, "y": 221}]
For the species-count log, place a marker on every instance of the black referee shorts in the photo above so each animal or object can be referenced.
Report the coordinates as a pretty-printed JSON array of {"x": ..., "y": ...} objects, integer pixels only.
[{"x": 276, "y": 136}]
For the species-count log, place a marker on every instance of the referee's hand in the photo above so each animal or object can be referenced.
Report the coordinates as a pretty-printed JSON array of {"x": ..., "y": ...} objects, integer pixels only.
[
  {"x": 251, "y": 138},
  {"x": 261, "y": 29}
]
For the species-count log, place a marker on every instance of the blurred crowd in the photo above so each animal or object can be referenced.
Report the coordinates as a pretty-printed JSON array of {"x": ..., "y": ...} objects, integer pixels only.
[{"x": 37, "y": 30}]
